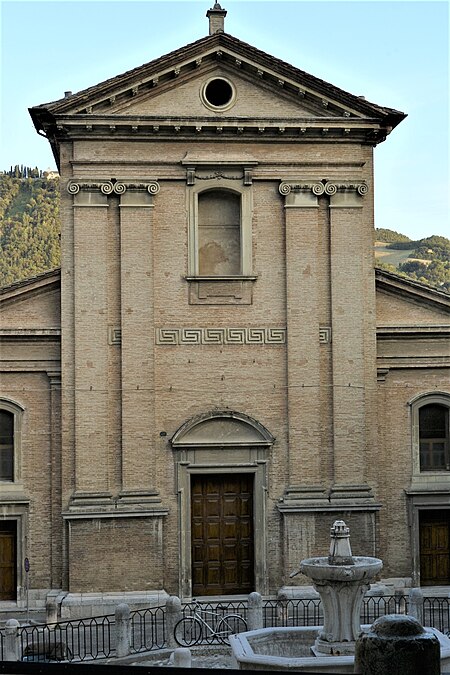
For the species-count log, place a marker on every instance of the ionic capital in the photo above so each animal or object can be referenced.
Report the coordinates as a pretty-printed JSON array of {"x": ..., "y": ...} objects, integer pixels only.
[
  {"x": 286, "y": 188},
  {"x": 318, "y": 188},
  {"x": 108, "y": 187}
]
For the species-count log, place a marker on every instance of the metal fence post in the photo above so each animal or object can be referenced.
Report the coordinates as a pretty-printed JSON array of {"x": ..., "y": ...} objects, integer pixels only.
[
  {"x": 11, "y": 650},
  {"x": 173, "y": 615},
  {"x": 416, "y": 604},
  {"x": 255, "y": 611},
  {"x": 123, "y": 630}
]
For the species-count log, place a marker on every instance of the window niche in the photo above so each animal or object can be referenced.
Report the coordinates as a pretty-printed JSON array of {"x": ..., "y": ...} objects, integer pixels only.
[
  {"x": 220, "y": 242},
  {"x": 10, "y": 442},
  {"x": 219, "y": 233}
]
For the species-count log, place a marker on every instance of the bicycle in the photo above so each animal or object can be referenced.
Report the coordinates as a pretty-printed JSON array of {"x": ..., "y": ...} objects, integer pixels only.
[{"x": 189, "y": 630}]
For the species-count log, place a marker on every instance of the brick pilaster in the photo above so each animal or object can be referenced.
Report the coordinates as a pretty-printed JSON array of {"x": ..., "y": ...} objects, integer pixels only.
[
  {"x": 348, "y": 306},
  {"x": 303, "y": 368},
  {"x": 91, "y": 335},
  {"x": 137, "y": 338}
]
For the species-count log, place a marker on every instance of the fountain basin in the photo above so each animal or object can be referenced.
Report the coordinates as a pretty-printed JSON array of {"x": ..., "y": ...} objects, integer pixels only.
[
  {"x": 285, "y": 649},
  {"x": 290, "y": 649},
  {"x": 363, "y": 568}
]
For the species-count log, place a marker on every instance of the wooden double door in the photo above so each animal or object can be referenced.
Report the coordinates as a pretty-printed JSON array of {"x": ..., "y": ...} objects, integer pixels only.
[
  {"x": 222, "y": 534},
  {"x": 435, "y": 547},
  {"x": 8, "y": 560}
]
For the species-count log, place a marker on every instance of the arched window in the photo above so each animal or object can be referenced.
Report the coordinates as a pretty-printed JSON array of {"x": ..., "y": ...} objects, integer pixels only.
[
  {"x": 431, "y": 432},
  {"x": 219, "y": 233},
  {"x": 10, "y": 440},
  {"x": 434, "y": 437},
  {"x": 6, "y": 445}
]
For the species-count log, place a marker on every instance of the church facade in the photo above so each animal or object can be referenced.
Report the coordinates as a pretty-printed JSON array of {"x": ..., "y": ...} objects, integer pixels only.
[{"x": 217, "y": 372}]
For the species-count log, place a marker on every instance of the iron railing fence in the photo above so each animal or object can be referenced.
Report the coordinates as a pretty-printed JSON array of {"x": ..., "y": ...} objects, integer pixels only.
[
  {"x": 95, "y": 638},
  {"x": 75, "y": 640},
  {"x": 375, "y": 606},
  {"x": 148, "y": 629},
  {"x": 436, "y": 613},
  {"x": 298, "y": 612}
]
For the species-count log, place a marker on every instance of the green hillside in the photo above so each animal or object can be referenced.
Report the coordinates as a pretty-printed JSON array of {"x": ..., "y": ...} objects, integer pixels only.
[
  {"x": 29, "y": 225},
  {"x": 30, "y": 228},
  {"x": 426, "y": 260}
]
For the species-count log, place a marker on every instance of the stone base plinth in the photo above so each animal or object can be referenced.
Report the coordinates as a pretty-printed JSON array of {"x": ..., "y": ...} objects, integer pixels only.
[{"x": 81, "y": 605}]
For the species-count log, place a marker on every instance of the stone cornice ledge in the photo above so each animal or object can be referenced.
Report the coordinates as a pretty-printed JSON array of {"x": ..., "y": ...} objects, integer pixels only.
[
  {"x": 416, "y": 332},
  {"x": 117, "y": 513},
  {"x": 30, "y": 333}
]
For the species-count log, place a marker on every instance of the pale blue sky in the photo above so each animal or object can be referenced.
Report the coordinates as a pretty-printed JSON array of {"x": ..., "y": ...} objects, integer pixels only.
[{"x": 394, "y": 53}]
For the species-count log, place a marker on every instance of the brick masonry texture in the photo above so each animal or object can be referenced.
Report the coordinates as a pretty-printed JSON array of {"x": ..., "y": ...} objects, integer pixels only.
[{"x": 107, "y": 495}]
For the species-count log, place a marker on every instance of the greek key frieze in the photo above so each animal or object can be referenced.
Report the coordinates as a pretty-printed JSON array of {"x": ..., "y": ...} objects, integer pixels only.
[
  {"x": 324, "y": 335},
  {"x": 221, "y": 336}
]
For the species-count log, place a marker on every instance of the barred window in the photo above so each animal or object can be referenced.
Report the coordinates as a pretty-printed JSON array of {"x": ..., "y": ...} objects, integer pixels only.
[
  {"x": 434, "y": 446},
  {"x": 11, "y": 416},
  {"x": 6, "y": 445}
]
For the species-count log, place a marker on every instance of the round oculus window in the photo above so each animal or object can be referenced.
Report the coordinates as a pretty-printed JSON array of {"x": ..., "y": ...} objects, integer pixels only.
[{"x": 218, "y": 94}]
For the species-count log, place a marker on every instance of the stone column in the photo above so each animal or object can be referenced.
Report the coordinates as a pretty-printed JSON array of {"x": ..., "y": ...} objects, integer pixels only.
[
  {"x": 91, "y": 335},
  {"x": 173, "y": 615},
  {"x": 349, "y": 304},
  {"x": 137, "y": 338},
  {"x": 302, "y": 301},
  {"x": 123, "y": 630},
  {"x": 255, "y": 618},
  {"x": 11, "y": 650}
]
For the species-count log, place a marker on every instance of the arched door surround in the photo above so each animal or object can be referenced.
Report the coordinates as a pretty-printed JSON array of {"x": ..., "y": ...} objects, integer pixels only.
[{"x": 221, "y": 443}]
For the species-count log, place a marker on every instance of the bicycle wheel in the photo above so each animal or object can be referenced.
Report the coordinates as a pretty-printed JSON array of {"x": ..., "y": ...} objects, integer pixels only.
[
  {"x": 230, "y": 625},
  {"x": 188, "y": 631}
]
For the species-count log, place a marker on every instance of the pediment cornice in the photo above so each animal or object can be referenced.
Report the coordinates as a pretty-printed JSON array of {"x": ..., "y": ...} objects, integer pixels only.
[
  {"x": 99, "y": 110},
  {"x": 87, "y": 127},
  {"x": 27, "y": 288},
  {"x": 412, "y": 291}
]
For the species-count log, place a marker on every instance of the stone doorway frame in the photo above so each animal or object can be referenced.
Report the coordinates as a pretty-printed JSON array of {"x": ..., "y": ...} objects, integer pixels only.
[
  {"x": 202, "y": 447},
  {"x": 18, "y": 513},
  {"x": 420, "y": 501}
]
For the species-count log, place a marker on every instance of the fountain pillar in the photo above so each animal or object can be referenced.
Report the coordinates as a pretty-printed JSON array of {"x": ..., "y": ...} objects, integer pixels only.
[{"x": 341, "y": 580}]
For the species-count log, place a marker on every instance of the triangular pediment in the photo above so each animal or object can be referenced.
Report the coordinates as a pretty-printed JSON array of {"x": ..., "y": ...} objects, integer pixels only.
[
  {"x": 403, "y": 302},
  {"x": 169, "y": 89},
  {"x": 252, "y": 99},
  {"x": 32, "y": 304}
]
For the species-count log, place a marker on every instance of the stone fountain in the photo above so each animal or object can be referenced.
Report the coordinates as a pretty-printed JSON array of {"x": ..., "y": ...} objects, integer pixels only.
[{"x": 341, "y": 579}]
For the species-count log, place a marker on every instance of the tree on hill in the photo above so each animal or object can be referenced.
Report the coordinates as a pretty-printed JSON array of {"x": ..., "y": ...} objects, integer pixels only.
[
  {"x": 436, "y": 273},
  {"x": 29, "y": 226},
  {"x": 390, "y": 236},
  {"x": 433, "y": 248}
]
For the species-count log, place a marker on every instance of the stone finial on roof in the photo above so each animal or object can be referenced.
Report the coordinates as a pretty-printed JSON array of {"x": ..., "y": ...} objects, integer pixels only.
[{"x": 216, "y": 16}]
